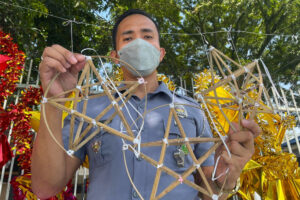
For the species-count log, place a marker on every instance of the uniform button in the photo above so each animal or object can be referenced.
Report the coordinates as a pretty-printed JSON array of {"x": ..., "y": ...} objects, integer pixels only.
[{"x": 135, "y": 194}]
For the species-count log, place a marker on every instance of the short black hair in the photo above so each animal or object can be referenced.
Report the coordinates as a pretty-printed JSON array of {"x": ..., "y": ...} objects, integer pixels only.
[{"x": 126, "y": 14}]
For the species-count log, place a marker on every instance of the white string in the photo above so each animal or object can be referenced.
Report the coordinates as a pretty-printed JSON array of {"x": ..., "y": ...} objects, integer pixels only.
[
  {"x": 94, "y": 122},
  {"x": 229, "y": 38},
  {"x": 70, "y": 152},
  {"x": 51, "y": 15},
  {"x": 240, "y": 100},
  {"x": 197, "y": 165},
  {"x": 295, "y": 36},
  {"x": 270, "y": 79},
  {"x": 233, "y": 77},
  {"x": 215, "y": 197},
  {"x": 136, "y": 153},
  {"x": 79, "y": 88},
  {"x": 246, "y": 69},
  {"x": 129, "y": 176},
  {"x": 165, "y": 140},
  {"x": 159, "y": 166},
  {"x": 213, "y": 178},
  {"x": 44, "y": 100},
  {"x": 221, "y": 137},
  {"x": 66, "y": 23}
]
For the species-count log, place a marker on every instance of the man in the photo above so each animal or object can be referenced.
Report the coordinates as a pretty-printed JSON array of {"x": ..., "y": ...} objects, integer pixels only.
[{"x": 52, "y": 168}]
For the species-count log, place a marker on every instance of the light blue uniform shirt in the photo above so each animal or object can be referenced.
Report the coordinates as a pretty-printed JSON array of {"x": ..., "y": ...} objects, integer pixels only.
[{"x": 107, "y": 175}]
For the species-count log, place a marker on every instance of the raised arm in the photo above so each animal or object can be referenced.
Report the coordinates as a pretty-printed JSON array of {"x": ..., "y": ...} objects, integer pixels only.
[{"x": 51, "y": 167}]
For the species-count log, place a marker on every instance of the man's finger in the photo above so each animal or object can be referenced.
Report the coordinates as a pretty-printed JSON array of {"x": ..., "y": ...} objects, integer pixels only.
[
  {"x": 77, "y": 68},
  {"x": 53, "y": 63},
  {"x": 79, "y": 57},
  {"x": 235, "y": 127},
  {"x": 252, "y": 126},
  {"x": 69, "y": 56},
  {"x": 54, "y": 54},
  {"x": 240, "y": 150},
  {"x": 244, "y": 137}
]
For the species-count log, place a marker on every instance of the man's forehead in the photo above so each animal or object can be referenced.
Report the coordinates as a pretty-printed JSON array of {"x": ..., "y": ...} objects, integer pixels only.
[{"x": 136, "y": 21}]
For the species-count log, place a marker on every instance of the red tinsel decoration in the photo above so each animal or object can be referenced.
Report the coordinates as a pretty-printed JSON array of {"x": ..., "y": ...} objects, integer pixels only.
[
  {"x": 22, "y": 189},
  {"x": 3, "y": 63},
  {"x": 11, "y": 65},
  {"x": 10, "y": 74},
  {"x": 5, "y": 152},
  {"x": 31, "y": 97}
]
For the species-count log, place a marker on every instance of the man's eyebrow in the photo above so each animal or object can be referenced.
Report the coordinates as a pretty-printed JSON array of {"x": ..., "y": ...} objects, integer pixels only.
[
  {"x": 127, "y": 32},
  {"x": 146, "y": 30}
]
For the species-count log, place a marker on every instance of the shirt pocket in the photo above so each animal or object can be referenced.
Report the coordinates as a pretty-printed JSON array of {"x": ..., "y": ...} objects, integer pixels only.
[
  {"x": 103, "y": 148},
  {"x": 189, "y": 127},
  {"x": 94, "y": 148}
]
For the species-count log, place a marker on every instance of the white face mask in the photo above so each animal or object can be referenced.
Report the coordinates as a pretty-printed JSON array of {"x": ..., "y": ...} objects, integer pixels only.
[{"x": 141, "y": 55}]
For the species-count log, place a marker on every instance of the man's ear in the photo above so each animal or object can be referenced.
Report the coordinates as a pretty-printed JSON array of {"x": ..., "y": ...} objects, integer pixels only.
[
  {"x": 114, "y": 54},
  {"x": 162, "y": 54}
]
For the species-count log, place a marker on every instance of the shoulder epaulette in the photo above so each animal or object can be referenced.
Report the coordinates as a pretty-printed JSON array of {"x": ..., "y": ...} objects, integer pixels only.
[{"x": 190, "y": 99}]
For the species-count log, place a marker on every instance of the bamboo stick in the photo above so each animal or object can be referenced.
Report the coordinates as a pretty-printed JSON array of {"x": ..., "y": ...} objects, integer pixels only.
[
  {"x": 161, "y": 159},
  {"x": 71, "y": 134},
  {"x": 86, "y": 92},
  {"x": 180, "y": 141}
]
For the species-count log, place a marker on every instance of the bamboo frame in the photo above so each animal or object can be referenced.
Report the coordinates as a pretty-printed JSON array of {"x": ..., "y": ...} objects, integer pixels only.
[
  {"x": 82, "y": 94},
  {"x": 241, "y": 99}
]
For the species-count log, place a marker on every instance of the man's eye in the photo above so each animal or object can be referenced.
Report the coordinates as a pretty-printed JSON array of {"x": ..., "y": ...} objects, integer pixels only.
[
  {"x": 147, "y": 36},
  {"x": 127, "y": 39}
]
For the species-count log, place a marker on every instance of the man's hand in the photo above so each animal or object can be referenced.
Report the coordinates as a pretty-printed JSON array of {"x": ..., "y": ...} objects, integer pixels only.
[
  {"x": 58, "y": 59},
  {"x": 241, "y": 146}
]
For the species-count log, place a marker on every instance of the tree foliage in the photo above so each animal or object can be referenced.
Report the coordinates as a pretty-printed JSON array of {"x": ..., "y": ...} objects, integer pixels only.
[{"x": 243, "y": 29}]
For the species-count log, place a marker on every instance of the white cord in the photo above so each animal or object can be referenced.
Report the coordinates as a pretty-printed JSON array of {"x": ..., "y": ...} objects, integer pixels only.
[
  {"x": 270, "y": 79},
  {"x": 221, "y": 137}
]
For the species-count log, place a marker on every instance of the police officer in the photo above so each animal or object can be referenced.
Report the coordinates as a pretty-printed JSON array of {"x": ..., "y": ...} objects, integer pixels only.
[{"x": 136, "y": 40}]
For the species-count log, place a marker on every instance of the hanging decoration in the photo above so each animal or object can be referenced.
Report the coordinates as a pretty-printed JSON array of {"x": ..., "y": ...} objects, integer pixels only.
[{"x": 271, "y": 174}]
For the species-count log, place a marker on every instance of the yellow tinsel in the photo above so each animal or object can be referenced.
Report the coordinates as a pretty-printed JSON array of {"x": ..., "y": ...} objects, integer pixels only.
[{"x": 167, "y": 81}]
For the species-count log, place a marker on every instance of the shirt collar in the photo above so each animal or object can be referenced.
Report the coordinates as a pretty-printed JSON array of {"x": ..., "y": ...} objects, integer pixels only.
[{"x": 162, "y": 88}]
